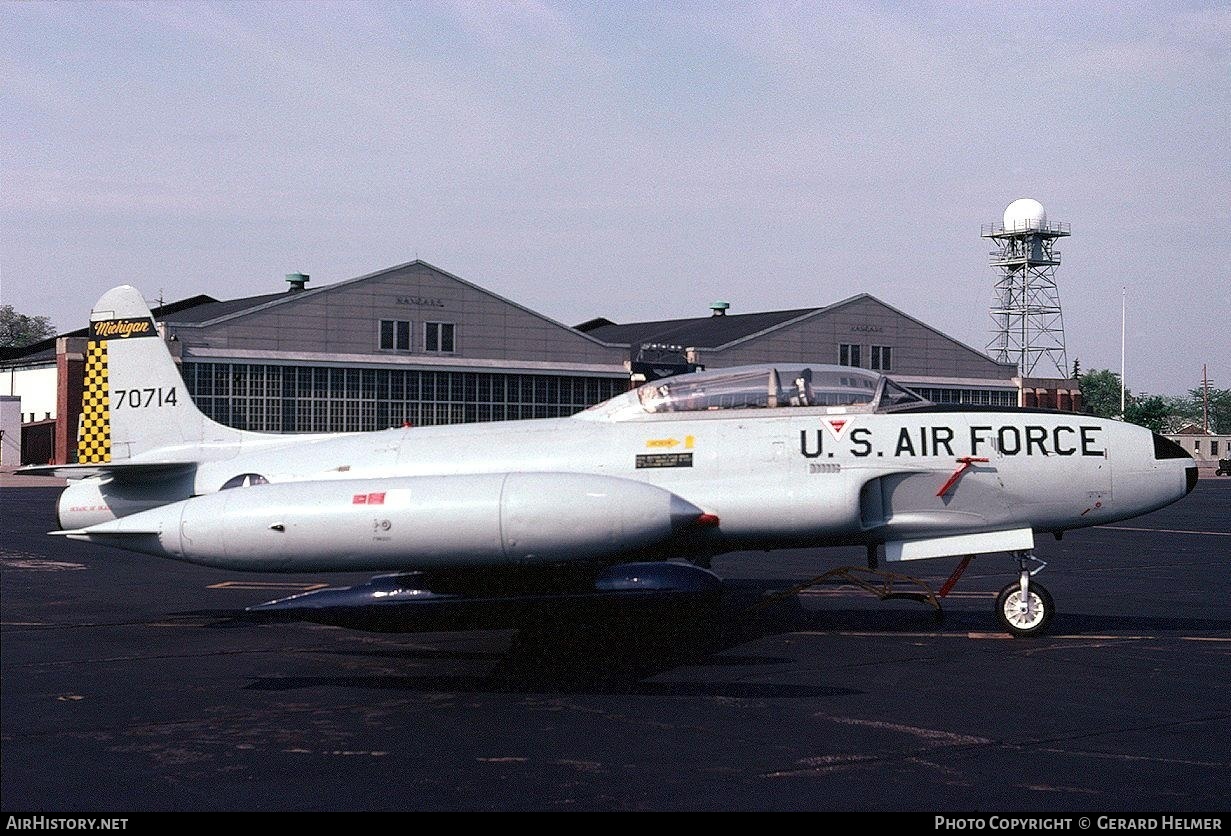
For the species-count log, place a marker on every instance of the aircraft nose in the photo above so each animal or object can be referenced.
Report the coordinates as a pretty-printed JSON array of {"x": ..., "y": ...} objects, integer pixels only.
[{"x": 1190, "y": 474}]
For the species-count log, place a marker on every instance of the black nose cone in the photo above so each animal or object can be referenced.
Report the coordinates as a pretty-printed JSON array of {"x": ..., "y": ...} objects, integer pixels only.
[{"x": 1190, "y": 474}]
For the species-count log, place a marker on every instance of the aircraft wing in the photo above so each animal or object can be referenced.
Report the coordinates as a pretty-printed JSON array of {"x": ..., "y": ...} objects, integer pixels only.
[{"x": 405, "y": 602}]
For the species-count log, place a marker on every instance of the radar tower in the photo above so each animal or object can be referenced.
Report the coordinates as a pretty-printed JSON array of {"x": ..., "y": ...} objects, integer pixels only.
[{"x": 1029, "y": 327}]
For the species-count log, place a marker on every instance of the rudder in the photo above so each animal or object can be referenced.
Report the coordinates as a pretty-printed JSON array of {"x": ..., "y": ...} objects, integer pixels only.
[{"x": 133, "y": 397}]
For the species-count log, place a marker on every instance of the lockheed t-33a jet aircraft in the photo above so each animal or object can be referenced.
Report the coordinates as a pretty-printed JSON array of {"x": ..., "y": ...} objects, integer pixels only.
[{"x": 603, "y": 504}]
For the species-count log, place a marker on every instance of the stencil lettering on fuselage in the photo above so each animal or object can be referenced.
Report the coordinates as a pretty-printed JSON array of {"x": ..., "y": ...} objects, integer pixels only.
[{"x": 976, "y": 440}]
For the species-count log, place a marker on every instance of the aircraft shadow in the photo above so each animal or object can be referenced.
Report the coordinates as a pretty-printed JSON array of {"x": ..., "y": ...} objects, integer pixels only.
[
  {"x": 619, "y": 654},
  {"x": 659, "y": 655},
  {"x": 625, "y": 657}
]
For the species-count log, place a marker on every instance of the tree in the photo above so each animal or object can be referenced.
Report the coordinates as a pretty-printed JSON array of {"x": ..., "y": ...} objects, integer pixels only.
[
  {"x": 1220, "y": 408},
  {"x": 1151, "y": 411},
  {"x": 17, "y": 330},
  {"x": 1100, "y": 393},
  {"x": 1187, "y": 410}
]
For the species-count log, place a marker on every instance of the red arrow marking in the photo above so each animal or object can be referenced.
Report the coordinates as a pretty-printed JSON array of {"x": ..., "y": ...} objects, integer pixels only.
[{"x": 964, "y": 464}]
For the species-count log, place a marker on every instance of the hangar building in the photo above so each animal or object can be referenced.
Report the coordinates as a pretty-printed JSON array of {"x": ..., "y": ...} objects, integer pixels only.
[
  {"x": 414, "y": 344},
  {"x": 860, "y": 331}
]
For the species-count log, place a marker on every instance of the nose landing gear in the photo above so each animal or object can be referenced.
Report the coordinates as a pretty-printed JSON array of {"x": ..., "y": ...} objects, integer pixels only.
[{"x": 1025, "y": 608}]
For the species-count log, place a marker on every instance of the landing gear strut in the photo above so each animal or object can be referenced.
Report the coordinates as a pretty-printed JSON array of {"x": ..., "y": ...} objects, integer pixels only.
[{"x": 1025, "y": 607}]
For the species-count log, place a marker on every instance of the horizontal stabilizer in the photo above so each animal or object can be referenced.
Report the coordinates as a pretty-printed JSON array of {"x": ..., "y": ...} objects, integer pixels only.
[
  {"x": 120, "y": 471},
  {"x": 91, "y": 533}
]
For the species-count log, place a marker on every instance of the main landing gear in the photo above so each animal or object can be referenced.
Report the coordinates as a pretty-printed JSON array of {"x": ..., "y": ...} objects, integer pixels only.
[{"x": 1025, "y": 608}]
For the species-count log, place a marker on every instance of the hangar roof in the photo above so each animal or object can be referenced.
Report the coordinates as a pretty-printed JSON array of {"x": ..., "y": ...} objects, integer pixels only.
[
  {"x": 720, "y": 332},
  {"x": 215, "y": 309},
  {"x": 707, "y": 331}
]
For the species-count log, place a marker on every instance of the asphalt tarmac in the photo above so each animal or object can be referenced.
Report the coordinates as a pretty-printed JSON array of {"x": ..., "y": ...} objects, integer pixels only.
[{"x": 129, "y": 684}]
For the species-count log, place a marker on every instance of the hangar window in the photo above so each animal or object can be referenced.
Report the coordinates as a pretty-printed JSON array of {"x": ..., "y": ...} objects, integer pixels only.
[
  {"x": 438, "y": 336},
  {"x": 848, "y": 355},
  {"x": 325, "y": 399},
  {"x": 882, "y": 358},
  {"x": 394, "y": 335}
]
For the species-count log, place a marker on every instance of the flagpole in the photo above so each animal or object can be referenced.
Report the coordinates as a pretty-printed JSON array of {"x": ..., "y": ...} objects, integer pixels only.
[{"x": 1123, "y": 294}]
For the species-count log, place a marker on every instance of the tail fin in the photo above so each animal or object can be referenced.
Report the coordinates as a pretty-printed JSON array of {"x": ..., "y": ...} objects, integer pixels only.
[{"x": 133, "y": 399}]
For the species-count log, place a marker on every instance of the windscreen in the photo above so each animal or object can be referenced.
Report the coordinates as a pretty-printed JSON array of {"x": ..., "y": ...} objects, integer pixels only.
[{"x": 898, "y": 397}]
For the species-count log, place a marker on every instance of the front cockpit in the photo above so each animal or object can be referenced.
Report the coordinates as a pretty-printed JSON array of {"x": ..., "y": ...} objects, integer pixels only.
[{"x": 828, "y": 389}]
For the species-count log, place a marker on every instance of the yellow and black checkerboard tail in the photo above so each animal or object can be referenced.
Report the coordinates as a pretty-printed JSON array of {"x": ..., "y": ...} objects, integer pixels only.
[
  {"x": 94, "y": 433},
  {"x": 134, "y": 402}
]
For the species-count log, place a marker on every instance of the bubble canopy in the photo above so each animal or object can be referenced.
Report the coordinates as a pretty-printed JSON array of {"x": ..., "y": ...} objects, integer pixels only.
[{"x": 824, "y": 388}]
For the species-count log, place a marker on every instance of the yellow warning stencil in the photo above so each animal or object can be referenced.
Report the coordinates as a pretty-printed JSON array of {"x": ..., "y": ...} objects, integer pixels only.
[{"x": 668, "y": 443}]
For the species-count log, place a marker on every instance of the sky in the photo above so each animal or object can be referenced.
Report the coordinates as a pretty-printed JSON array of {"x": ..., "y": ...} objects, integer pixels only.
[{"x": 634, "y": 161}]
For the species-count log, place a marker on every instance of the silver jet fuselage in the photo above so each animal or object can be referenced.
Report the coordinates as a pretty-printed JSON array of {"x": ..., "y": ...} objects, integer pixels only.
[
  {"x": 427, "y": 497},
  {"x": 754, "y": 457}
]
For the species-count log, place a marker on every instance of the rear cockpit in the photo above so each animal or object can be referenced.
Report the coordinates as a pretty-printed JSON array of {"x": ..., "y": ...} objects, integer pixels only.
[{"x": 827, "y": 389}]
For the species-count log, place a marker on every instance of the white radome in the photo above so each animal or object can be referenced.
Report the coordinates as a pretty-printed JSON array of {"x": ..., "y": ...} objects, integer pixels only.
[{"x": 1025, "y": 213}]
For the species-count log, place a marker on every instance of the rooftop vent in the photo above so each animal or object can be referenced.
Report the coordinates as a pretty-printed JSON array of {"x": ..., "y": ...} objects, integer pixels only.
[
  {"x": 297, "y": 280},
  {"x": 719, "y": 308}
]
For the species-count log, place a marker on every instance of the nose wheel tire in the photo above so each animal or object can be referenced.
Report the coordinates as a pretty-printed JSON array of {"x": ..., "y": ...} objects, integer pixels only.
[{"x": 1024, "y": 619}]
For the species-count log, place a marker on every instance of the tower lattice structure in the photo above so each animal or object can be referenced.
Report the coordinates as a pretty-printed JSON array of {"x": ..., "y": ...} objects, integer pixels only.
[{"x": 1029, "y": 326}]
